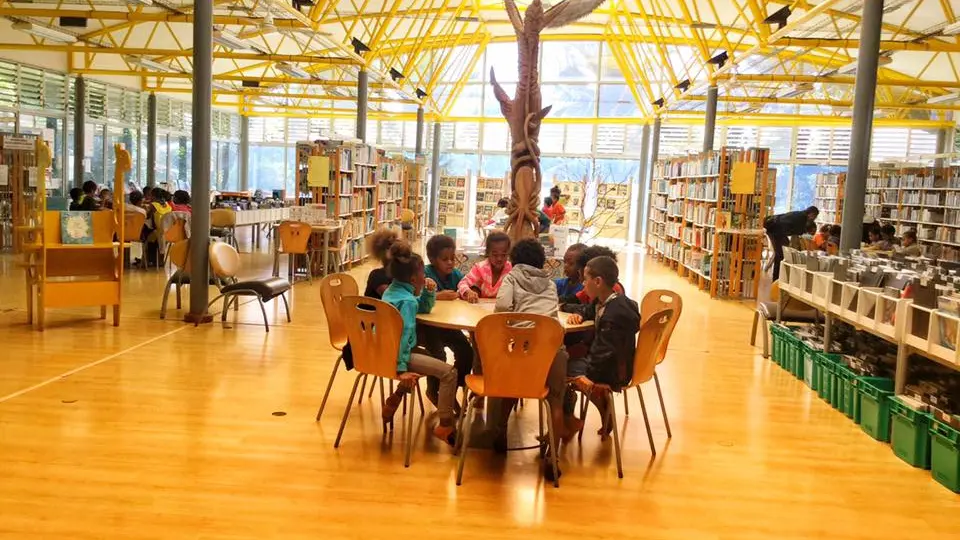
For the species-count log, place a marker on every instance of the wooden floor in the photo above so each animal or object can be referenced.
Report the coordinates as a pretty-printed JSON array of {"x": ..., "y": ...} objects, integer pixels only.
[{"x": 157, "y": 429}]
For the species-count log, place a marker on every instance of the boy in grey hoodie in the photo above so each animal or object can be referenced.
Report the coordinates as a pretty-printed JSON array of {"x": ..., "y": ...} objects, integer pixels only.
[{"x": 529, "y": 289}]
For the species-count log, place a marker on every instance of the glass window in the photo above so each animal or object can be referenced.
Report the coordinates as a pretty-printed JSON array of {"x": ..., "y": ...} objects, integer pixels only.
[
  {"x": 51, "y": 129},
  {"x": 502, "y": 57},
  {"x": 570, "y": 61},
  {"x": 290, "y": 168},
  {"x": 491, "y": 107},
  {"x": 496, "y": 136},
  {"x": 94, "y": 154},
  {"x": 617, "y": 101},
  {"x": 163, "y": 161},
  {"x": 805, "y": 184},
  {"x": 127, "y": 137},
  {"x": 267, "y": 167},
  {"x": 571, "y": 100},
  {"x": 609, "y": 69},
  {"x": 579, "y": 139},
  {"x": 274, "y": 129},
  {"x": 558, "y": 169},
  {"x": 457, "y": 164},
  {"x": 8, "y": 122},
  {"x": 468, "y": 102},
  {"x": 551, "y": 138},
  {"x": 778, "y": 140},
  {"x": 781, "y": 201},
  {"x": 467, "y": 136},
  {"x": 495, "y": 165}
]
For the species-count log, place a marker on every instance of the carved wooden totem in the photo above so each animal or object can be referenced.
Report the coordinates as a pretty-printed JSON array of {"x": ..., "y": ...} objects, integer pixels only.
[{"x": 523, "y": 112}]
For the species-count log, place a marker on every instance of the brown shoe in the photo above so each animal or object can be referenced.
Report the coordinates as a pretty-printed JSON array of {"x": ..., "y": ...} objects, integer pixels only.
[
  {"x": 391, "y": 405},
  {"x": 447, "y": 434}
]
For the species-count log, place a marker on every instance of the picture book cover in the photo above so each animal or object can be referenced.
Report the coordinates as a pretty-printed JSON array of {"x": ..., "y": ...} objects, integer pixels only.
[{"x": 76, "y": 227}]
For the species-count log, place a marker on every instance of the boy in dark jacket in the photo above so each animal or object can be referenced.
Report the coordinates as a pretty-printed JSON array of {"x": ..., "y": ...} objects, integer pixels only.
[
  {"x": 782, "y": 226},
  {"x": 616, "y": 323}
]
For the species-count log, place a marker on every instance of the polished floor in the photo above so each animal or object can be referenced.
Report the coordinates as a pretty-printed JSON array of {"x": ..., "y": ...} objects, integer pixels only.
[{"x": 158, "y": 429}]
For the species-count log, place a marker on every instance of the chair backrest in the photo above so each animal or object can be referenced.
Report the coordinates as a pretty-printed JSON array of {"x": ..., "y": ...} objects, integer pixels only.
[
  {"x": 374, "y": 328},
  {"x": 224, "y": 260},
  {"x": 517, "y": 350},
  {"x": 658, "y": 300},
  {"x": 133, "y": 226},
  {"x": 649, "y": 341},
  {"x": 294, "y": 236},
  {"x": 175, "y": 231},
  {"x": 223, "y": 217},
  {"x": 333, "y": 288},
  {"x": 179, "y": 253}
]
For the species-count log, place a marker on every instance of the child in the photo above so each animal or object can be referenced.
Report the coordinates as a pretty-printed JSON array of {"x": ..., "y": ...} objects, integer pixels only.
[
  {"x": 379, "y": 247},
  {"x": 548, "y": 207},
  {"x": 106, "y": 198},
  {"x": 484, "y": 279},
  {"x": 88, "y": 200},
  {"x": 528, "y": 289},
  {"x": 572, "y": 282},
  {"x": 76, "y": 195},
  {"x": 500, "y": 216},
  {"x": 136, "y": 200},
  {"x": 181, "y": 202},
  {"x": 616, "y": 321},
  {"x": 587, "y": 255},
  {"x": 833, "y": 241},
  {"x": 442, "y": 253},
  {"x": 820, "y": 239},
  {"x": 411, "y": 292},
  {"x": 559, "y": 213},
  {"x": 909, "y": 246}
]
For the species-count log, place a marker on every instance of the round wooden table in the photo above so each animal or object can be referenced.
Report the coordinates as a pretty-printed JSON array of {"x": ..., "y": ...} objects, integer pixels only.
[{"x": 462, "y": 315}]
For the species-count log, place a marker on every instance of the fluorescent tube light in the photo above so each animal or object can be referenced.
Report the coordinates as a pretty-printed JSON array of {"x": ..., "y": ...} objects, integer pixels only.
[
  {"x": 139, "y": 2},
  {"x": 44, "y": 32},
  {"x": 231, "y": 41},
  {"x": 852, "y": 66},
  {"x": 148, "y": 63},
  {"x": 292, "y": 70},
  {"x": 951, "y": 29},
  {"x": 794, "y": 91},
  {"x": 946, "y": 98}
]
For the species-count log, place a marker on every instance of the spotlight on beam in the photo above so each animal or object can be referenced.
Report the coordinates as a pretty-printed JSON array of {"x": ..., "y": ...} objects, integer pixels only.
[
  {"x": 779, "y": 17},
  {"x": 420, "y": 93},
  {"x": 683, "y": 85},
  {"x": 659, "y": 103},
  {"x": 395, "y": 75},
  {"x": 359, "y": 47},
  {"x": 720, "y": 59}
]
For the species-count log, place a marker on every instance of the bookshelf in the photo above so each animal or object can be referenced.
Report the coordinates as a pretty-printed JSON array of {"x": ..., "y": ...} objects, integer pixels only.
[
  {"x": 704, "y": 229},
  {"x": 19, "y": 191},
  {"x": 415, "y": 193},
  {"x": 612, "y": 215},
  {"x": 571, "y": 196},
  {"x": 390, "y": 181},
  {"x": 489, "y": 191},
  {"x": 926, "y": 199},
  {"x": 828, "y": 197},
  {"x": 452, "y": 201}
]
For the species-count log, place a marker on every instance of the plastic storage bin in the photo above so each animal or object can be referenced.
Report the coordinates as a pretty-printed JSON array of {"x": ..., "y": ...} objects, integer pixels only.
[
  {"x": 875, "y": 394},
  {"x": 779, "y": 334},
  {"x": 846, "y": 395},
  {"x": 824, "y": 373},
  {"x": 910, "y": 434},
  {"x": 945, "y": 455}
]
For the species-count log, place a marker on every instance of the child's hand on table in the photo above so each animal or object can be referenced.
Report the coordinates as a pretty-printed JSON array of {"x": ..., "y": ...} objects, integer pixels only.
[
  {"x": 447, "y": 295},
  {"x": 430, "y": 285},
  {"x": 574, "y": 318},
  {"x": 471, "y": 296}
]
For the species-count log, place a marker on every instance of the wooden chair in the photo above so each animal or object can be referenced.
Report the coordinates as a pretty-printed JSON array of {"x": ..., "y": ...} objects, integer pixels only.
[
  {"x": 223, "y": 225},
  {"x": 650, "y": 340},
  {"x": 179, "y": 255},
  {"x": 225, "y": 263},
  {"x": 132, "y": 228},
  {"x": 374, "y": 329},
  {"x": 793, "y": 311},
  {"x": 517, "y": 351},
  {"x": 174, "y": 227},
  {"x": 333, "y": 289},
  {"x": 294, "y": 240}
]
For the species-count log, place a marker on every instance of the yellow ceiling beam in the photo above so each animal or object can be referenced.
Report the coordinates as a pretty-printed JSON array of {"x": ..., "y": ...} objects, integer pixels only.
[
  {"x": 253, "y": 94},
  {"x": 837, "y": 79},
  {"x": 139, "y": 16},
  {"x": 826, "y": 102},
  {"x": 931, "y": 45},
  {"x": 142, "y": 51},
  {"x": 222, "y": 77}
]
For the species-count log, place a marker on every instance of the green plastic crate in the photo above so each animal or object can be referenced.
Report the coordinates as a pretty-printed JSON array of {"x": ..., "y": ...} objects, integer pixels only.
[
  {"x": 780, "y": 335},
  {"x": 799, "y": 363},
  {"x": 825, "y": 366},
  {"x": 875, "y": 394},
  {"x": 791, "y": 349},
  {"x": 848, "y": 399},
  {"x": 910, "y": 434},
  {"x": 809, "y": 361},
  {"x": 945, "y": 455}
]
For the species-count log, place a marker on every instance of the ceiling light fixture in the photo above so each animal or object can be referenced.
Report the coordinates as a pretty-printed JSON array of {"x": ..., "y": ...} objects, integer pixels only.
[
  {"x": 231, "y": 41},
  {"x": 139, "y": 2},
  {"x": 720, "y": 59},
  {"x": 44, "y": 32},
  {"x": 420, "y": 93},
  {"x": 794, "y": 91},
  {"x": 359, "y": 47},
  {"x": 292, "y": 70},
  {"x": 951, "y": 29},
  {"x": 892, "y": 5},
  {"x": 395, "y": 75},
  {"x": 683, "y": 85},
  {"x": 702, "y": 26},
  {"x": 149, "y": 64},
  {"x": 946, "y": 98},
  {"x": 779, "y": 17},
  {"x": 882, "y": 60}
]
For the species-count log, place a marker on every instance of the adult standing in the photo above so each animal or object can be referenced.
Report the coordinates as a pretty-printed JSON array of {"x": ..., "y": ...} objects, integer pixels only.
[{"x": 782, "y": 226}]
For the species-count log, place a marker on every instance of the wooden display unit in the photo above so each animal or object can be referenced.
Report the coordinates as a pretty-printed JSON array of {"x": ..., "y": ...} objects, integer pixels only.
[
  {"x": 60, "y": 275},
  {"x": 571, "y": 198},
  {"x": 452, "y": 201},
  {"x": 415, "y": 193},
  {"x": 612, "y": 216},
  {"x": 489, "y": 192},
  {"x": 706, "y": 229}
]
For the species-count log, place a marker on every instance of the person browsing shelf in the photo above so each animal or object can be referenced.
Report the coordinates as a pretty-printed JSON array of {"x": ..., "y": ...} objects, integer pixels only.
[{"x": 781, "y": 227}]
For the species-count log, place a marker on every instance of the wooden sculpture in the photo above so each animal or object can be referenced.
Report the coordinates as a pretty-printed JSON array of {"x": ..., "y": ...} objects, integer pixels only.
[{"x": 523, "y": 112}]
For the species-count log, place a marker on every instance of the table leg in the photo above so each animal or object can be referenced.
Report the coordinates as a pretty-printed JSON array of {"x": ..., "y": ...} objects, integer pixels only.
[
  {"x": 783, "y": 298},
  {"x": 827, "y": 331},
  {"x": 326, "y": 252},
  {"x": 903, "y": 365}
]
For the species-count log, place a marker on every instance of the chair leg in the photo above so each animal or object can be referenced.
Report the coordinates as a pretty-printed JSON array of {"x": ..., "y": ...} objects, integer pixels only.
[
  {"x": 753, "y": 330},
  {"x": 326, "y": 394},
  {"x": 276, "y": 263},
  {"x": 612, "y": 413},
  {"x": 346, "y": 412},
  {"x": 543, "y": 445},
  {"x": 766, "y": 340},
  {"x": 663, "y": 409},
  {"x": 309, "y": 268},
  {"x": 646, "y": 421},
  {"x": 406, "y": 462},
  {"x": 420, "y": 401},
  {"x": 166, "y": 295},
  {"x": 626, "y": 405},
  {"x": 458, "y": 444},
  {"x": 178, "y": 285},
  {"x": 263, "y": 309},
  {"x": 362, "y": 389},
  {"x": 584, "y": 406},
  {"x": 286, "y": 306},
  {"x": 554, "y": 451},
  {"x": 373, "y": 386},
  {"x": 465, "y": 442}
]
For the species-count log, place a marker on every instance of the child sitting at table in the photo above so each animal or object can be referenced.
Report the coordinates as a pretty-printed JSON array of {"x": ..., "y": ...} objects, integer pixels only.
[
  {"x": 442, "y": 253},
  {"x": 908, "y": 244},
  {"x": 529, "y": 289},
  {"x": 378, "y": 245},
  {"x": 820, "y": 239},
  {"x": 484, "y": 279},
  {"x": 411, "y": 292},
  {"x": 616, "y": 323},
  {"x": 572, "y": 282},
  {"x": 582, "y": 296}
]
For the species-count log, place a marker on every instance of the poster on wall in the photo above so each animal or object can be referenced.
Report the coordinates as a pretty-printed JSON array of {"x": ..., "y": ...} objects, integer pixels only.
[{"x": 4, "y": 175}]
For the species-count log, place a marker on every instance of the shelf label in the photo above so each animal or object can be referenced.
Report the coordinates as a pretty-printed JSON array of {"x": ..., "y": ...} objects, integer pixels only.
[{"x": 11, "y": 142}]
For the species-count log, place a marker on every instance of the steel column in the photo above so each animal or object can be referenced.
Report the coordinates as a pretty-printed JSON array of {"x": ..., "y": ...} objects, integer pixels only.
[
  {"x": 244, "y": 153},
  {"x": 419, "y": 147},
  {"x": 200, "y": 186},
  {"x": 435, "y": 175},
  {"x": 654, "y": 154},
  {"x": 854, "y": 192},
  {"x": 362, "y": 86},
  {"x": 79, "y": 133},
  {"x": 151, "y": 140},
  {"x": 640, "y": 229},
  {"x": 943, "y": 135},
  {"x": 710, "y": 118}
]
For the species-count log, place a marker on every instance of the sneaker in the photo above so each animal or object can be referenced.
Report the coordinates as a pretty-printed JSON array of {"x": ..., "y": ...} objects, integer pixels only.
[
  {"x": 447, "y": 434},
  {"x": 390, "y": 406}
]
